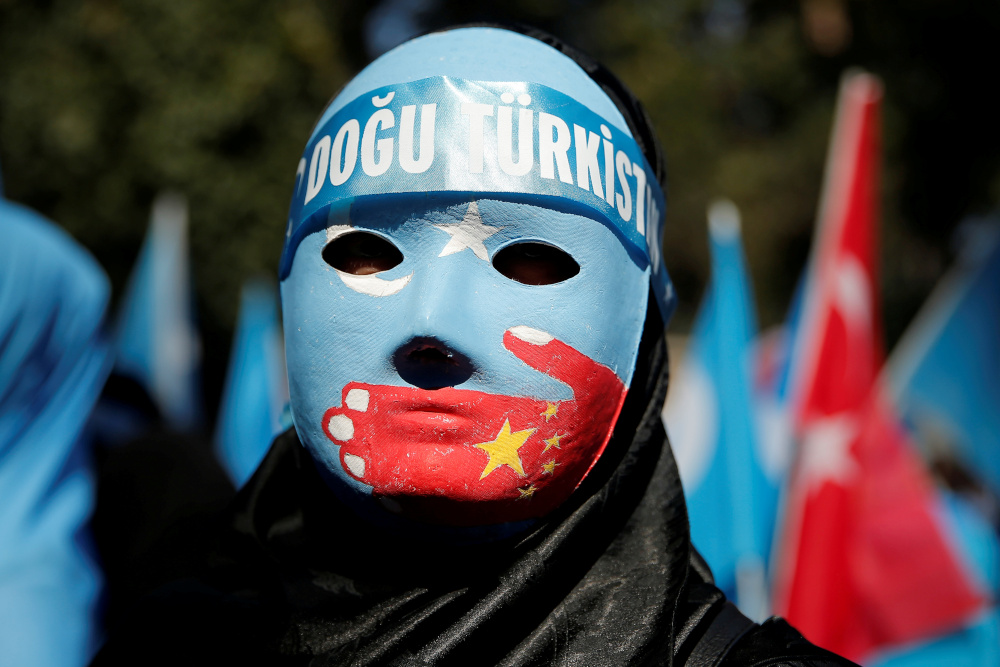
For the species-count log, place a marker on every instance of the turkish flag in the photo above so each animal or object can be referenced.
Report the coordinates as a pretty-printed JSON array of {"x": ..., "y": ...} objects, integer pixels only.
[{"x": 863, "y": 562}]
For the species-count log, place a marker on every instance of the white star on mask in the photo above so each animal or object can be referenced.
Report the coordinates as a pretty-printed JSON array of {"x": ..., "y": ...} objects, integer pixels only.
[{"x": 470, "y": 233}]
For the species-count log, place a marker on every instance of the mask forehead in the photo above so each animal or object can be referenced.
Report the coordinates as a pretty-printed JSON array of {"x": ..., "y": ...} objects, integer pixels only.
[
  {"x": 490, "y": 54},
  {"x": 481, "y": 111}
]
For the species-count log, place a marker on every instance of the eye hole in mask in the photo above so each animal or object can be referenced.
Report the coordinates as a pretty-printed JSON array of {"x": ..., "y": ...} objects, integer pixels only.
[
  {"x": 532, "y": 263},
  {"x": 361, "y": 254}
]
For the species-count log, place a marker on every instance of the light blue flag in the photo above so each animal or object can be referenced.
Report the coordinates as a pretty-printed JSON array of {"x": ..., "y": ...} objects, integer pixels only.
[
  {"x": 54, "y": 359},
  {"x": 945, "y": 371},
  {"x": 157, "y": 342},
  {"x": 256, "y": 389},
  {"x": 978, "y": 643},
  {"x": 710, "y": 417},
  {"x": 945, "y": 377}
]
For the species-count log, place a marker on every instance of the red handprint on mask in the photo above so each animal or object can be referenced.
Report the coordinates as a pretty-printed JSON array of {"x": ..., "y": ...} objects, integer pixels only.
[{"x": 464, "y": 457}]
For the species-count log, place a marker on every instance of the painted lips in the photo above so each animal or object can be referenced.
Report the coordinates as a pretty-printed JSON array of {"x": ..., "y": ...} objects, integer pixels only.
[{"x": 432, "y": 423}]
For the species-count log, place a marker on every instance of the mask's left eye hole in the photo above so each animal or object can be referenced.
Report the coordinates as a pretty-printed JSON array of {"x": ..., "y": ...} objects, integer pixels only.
[
  {"x": 361, "y": 254},
  {"x": 535, "y": 263}
]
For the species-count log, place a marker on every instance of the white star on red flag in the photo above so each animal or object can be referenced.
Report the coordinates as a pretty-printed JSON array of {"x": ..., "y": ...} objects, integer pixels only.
[{"x": 826, "y": 451}]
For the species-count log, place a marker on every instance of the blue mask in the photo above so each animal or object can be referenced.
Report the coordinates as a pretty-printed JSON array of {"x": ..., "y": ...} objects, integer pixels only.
[{"x": 462, "y": 318}]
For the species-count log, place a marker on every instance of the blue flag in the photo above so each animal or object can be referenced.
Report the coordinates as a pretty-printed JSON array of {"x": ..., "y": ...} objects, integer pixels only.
[
  {"x": 256, "y": 388},
  {"x": 945, "y": 377},
  {"x": 54, "y": 359},
  {"x": 945, "y": 372},
  {"x": 710, "y": 418},
  {"x": 157, "y": 342}
]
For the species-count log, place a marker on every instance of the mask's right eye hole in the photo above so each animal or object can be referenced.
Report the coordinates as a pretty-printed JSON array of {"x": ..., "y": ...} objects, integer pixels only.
[
  {"x": 361, "y": 254},
  {"x": 533, "y": 263}
]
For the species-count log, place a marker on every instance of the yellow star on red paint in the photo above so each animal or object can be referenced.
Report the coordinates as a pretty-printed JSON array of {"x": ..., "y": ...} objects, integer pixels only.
[
  {"x": 502, "y": 450},
  {"x": 552, "y": 442},
  {"x": 551, "y": 410},
  {"x": 527, "y": 493},
  {"x": 550, "y": 467}
]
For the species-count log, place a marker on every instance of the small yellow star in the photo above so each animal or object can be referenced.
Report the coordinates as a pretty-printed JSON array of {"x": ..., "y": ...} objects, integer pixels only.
[
  {"x": 528, "y": 492},
  {"x": 551, "y": 409},
  {"x": 550, "y": 467},
  {"x": 502, "y": 450},
  {"x": 552, "y": 442}
]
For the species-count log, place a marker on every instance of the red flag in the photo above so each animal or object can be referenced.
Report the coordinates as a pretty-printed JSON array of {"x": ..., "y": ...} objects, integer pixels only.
[{"x": 863, "y": 562}]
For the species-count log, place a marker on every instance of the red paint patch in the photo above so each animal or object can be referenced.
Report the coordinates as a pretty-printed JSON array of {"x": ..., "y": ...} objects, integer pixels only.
[{"x": 462, "y": 457}]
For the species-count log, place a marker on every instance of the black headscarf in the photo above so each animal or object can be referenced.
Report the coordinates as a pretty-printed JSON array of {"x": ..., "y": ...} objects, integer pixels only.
[{"x": 610, "y": 578}]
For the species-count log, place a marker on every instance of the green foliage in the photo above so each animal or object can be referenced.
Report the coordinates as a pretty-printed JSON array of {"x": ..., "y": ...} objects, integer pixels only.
[{"x": 103, "y": 104}]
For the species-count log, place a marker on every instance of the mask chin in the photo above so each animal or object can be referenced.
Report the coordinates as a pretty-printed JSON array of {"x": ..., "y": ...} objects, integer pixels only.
[{"x": 466, "y": 402}]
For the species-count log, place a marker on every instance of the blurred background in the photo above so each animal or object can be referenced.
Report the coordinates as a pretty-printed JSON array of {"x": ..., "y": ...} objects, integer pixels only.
[{"x": 104, "y": 103}]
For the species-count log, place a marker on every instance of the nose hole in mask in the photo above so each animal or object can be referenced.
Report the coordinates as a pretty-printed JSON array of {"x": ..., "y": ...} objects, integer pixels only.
[{"x": 430, "y": 364}]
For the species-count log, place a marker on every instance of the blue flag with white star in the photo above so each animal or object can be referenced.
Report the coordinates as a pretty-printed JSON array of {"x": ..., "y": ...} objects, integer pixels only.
[{"x": 710, "y": 418}]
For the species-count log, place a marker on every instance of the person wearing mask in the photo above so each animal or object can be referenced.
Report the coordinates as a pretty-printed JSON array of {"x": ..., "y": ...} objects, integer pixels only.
[{"x": 474, "y": 303}]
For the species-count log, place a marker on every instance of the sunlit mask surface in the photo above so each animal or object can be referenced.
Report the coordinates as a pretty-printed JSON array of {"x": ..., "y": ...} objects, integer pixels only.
[{"x": 460, "y": 362}]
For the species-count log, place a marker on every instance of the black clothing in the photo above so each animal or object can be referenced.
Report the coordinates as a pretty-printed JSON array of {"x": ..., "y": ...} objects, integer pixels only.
[
  {"x": 159, "y": 497},
  {"x": 609, "y": 579}
]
